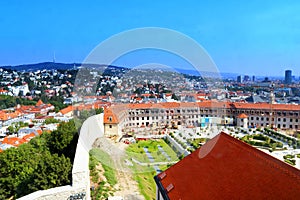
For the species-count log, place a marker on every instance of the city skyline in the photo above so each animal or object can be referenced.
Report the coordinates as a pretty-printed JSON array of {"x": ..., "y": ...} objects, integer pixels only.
[{"x": 255, "y": 38}]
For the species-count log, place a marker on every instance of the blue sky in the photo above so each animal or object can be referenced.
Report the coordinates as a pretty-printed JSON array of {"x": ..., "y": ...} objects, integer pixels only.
[{"x": 246, "y": 37}]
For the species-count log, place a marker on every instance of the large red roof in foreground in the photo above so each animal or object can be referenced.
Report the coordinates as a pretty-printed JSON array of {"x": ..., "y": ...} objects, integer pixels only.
[{"x": 226, "y": 168}]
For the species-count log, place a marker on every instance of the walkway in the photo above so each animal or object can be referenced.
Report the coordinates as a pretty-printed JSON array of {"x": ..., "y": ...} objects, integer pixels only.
[
  {"x": 163, "y": 152},
  {"x": 151, "y": 159}
]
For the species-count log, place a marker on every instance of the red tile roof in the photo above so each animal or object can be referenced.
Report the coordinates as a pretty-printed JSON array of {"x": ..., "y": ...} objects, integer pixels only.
[
  {"x": 13, "y": 141},
  {"x": 5, "y": 115},
  {"x": 66, "y": 110},
  {"x": 110, "y": 117},
  {"x": 242, "y": 116},
  {"x": 216, "y": 104},
  {"x": 39, "y": 103},
  {"x": 226, "y": 168},
  {"x": 29, "y": 136},
  {"x": 203, "y": 104},
  {"x": 39, "y": 131}
]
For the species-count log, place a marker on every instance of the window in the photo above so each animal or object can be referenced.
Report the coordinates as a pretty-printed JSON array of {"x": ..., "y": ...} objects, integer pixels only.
[
  {"x": 284, "y": 119},
  {"x": 291, "y": 120},
  {"x": 110, "y": 126},
  {"x": 279, "y": 113}
]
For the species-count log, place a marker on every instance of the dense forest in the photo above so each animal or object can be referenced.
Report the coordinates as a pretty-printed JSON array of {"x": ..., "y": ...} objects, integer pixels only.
[{"x": 45, "y": 162}]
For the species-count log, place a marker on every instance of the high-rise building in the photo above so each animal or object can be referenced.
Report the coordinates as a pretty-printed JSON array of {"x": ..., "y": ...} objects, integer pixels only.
[
  {"x": 246, "y": 78},
  {"x": 288, "y": 77},
  {"x": 239, "y": 79}
]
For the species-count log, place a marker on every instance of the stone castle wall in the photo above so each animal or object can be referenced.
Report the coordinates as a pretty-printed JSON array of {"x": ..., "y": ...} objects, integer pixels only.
[{"x": 91, "y": 129}]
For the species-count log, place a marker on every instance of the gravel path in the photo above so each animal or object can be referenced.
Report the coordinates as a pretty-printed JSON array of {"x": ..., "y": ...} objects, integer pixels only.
[{"x": 126, "y": 186}]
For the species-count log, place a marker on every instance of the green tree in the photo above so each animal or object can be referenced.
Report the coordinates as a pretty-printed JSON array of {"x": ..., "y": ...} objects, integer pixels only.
[
  {"x": 99, "y": 111},
  {"x": 51, "y": 121},
  {"x": 40, "y": 164},
  {"x": 57, "y": 102},
  {"x": 16, "y": 165},
  {"x": 64, "y": 139},
  {"x": 15, "y": 127},
  {"x": 174, "y": 97},
  {"x": 51, "y": 171}
]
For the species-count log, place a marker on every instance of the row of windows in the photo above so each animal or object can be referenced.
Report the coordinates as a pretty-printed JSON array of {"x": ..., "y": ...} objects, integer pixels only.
[
  {"x": 279, "y": 125},
  {"x": 278, "y": 119},
  {"x": 142, "y": 124},
  {"x": 296, "y": 113},
  {"x": 137, "y": 112},
  {"x": 167, "y": 117}
]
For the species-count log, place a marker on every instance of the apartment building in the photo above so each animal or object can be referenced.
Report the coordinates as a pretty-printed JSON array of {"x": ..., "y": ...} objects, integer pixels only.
[{"x": 118, "y": 118}]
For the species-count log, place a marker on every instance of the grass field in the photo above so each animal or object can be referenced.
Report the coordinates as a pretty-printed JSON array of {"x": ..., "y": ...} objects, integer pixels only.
[
  {"x": 107, "y": 165},
  {"x": 144, "y": 175},
  {"x": 136, "y": 151}
]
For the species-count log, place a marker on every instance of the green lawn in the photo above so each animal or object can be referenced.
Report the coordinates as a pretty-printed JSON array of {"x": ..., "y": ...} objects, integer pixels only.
[
  {"x": 261, "y": 140},
  {"x": 107, "y": 165},
  {"x": 136, "y": 151},
  {"x": 144, "y": 175}
]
